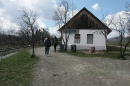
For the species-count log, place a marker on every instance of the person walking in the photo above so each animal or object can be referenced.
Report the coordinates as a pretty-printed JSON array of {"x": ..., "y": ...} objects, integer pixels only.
[
  {"x": 45, "y": 39},
  {"x": 47, "y": 45},
  {"x": 55, "y": 43}
]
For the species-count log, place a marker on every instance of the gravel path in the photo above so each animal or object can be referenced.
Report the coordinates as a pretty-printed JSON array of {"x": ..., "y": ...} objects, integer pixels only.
[{"x": 61, "y": 69}]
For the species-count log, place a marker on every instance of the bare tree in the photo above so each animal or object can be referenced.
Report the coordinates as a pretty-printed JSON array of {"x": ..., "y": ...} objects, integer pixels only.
[
  {"x": 122, "y": 26},
  {"x": 1, "y": 23},
  {"x": 38, "y": 36},
  {"x": 25, "y": 35},
  {"x": 62, "y": 16},
  {"x": 28, "y": 18},
  {"x": 45, "y": 33},
  {"x": 11, "y": 33},
  {"x": 107, "y": 21},
  {"x": 1, "y": 30}
]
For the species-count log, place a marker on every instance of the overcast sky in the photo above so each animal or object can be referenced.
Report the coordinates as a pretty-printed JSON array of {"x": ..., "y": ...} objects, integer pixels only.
[{"x": 9, "y": 11}]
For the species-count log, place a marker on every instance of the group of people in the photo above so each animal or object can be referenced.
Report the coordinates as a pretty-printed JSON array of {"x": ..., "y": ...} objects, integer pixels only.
[{"x": 48, "y": 43}]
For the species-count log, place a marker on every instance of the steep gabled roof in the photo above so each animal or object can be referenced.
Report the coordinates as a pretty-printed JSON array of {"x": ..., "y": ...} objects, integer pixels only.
[{"x": 84, "y": 19}]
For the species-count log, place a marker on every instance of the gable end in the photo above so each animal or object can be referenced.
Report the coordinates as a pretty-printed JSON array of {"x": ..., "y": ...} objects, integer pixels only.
[{"x": 84, "y": 19}]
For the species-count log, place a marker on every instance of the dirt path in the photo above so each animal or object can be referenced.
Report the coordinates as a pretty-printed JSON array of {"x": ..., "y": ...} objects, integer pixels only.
[{"x": 60, "y": 69}]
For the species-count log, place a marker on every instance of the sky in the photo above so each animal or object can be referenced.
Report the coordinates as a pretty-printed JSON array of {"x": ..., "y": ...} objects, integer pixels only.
[{"x": 10, "y": 11}]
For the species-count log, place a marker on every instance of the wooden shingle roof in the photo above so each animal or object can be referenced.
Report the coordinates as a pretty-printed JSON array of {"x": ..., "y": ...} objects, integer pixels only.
[{"x": 84, "y": 19}]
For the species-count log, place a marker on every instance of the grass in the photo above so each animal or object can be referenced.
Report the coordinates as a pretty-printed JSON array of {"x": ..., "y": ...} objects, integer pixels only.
[
  {"x": 113, "y": 52},
  {"x": 104, "y": 54},
  {"x": 16, "y": 70},
  {"x": 116, "y": 49},
  {"x": 117, "y": 43}
]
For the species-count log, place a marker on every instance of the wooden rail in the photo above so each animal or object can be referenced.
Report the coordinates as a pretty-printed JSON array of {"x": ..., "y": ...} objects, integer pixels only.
[{"x": 8, "y": 50}]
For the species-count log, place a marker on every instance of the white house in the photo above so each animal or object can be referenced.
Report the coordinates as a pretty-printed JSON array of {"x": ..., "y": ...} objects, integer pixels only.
[{"x": 84, "y": 31}]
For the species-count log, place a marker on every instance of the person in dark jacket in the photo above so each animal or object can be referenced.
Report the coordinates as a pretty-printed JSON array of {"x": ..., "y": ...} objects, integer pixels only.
[
  {"x": 55, "y": 43},
  {"x": 47, "y": 45}
]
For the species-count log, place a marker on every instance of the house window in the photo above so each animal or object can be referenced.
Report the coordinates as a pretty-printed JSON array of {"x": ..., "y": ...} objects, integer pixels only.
[
  {"x": 89, "y": 38},
  {"x": 77, "y": 38}
]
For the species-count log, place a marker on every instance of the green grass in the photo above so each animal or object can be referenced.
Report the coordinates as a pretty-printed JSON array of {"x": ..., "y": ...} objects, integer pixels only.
[
  {"x": 112, "y": 43},
  {"x": 116, "y": 49},
  {"x": 113, "y": 48},
  {"x": 117, "y": 43},
  {"x": 16, "y": 70},
  {"x": 113, "y": 53}
]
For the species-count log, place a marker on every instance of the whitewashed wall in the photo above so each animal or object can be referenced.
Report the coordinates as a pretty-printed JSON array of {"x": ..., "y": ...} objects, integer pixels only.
[{"x": 98, "y": 40}]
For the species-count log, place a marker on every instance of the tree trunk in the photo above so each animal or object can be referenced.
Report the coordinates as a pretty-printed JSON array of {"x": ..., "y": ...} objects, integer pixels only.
[
  {"x": 33, "y": 54},
  {"x": 65, "y": 47},
  {"x": 125, "y": 50},
  {"x": 121, "y": 52},
  {"x": 106, "y": 44},
  {"x": 106, "y": 48}
]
